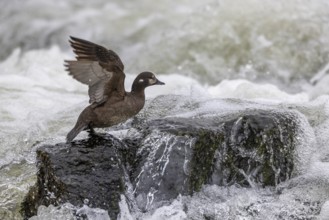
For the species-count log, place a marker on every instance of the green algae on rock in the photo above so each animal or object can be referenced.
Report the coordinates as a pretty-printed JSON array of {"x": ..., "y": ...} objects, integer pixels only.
[
  {"x": 84, "y": 171},
  {"x": 169, "y": 157}
]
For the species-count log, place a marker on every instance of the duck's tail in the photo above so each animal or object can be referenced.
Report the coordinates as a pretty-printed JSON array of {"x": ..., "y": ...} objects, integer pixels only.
[{"x": 79, "y": 126}]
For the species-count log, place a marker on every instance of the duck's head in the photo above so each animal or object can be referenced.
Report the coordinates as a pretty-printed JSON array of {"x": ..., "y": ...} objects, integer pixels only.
[{"x": 144, "y": 80}]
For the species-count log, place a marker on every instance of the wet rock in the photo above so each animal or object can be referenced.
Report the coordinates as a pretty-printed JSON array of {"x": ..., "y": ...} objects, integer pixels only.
[
  {"x": 179, "y": 155},
  {"x": 84, "y": 172},
  {"x": 168, "y": 157}
]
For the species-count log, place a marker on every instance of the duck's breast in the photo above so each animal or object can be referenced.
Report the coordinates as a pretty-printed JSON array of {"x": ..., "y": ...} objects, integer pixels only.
[{"x": 115, "y": 113}]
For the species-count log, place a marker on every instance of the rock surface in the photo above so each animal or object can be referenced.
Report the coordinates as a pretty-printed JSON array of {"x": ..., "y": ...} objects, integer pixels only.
[
  {"x": 179, "y": 155},
  {"x": 84, "y": 172},
  {"x": 168, "y": 157}
]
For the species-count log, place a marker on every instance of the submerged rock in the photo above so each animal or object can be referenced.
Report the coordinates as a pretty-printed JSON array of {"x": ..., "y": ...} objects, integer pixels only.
[{"x": 169, "y": 157}]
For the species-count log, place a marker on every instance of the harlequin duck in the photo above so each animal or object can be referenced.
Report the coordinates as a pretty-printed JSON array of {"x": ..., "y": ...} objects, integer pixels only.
[{"x": 102, "y": 70}]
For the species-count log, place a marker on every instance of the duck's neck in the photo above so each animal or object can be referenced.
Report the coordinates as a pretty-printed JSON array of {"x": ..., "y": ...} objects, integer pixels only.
[{"x": 138, "y": 90}]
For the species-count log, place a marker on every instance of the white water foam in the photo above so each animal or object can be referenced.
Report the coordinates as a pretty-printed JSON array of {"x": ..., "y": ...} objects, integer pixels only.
[
  {"x": 213, "y": 52},
  {"x": 282, "y": 41},
  {"x": 42, "y": 103}
]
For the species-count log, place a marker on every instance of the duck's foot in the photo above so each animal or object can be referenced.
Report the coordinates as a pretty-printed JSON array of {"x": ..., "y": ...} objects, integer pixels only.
[
  {"x": 91, "y": 130},
  {"x": 94, "y": 134}
]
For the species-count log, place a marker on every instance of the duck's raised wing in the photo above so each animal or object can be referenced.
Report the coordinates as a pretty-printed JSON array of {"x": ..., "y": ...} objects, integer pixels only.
[{"x": 99, "y": 68}]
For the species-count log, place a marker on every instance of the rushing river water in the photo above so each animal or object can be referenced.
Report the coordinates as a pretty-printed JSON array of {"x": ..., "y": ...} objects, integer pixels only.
[{"x": 261, "y": 50}]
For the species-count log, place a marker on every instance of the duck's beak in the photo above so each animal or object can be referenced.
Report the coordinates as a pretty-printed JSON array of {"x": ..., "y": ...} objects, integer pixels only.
[{"x": 158, "y": 82}]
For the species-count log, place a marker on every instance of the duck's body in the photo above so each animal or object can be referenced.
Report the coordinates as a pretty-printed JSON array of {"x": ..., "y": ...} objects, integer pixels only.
[{"x": 110, "y": 103}]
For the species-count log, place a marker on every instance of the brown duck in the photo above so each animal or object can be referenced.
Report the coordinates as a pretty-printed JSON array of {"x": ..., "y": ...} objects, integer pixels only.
[{"x": 102, "y": 70}]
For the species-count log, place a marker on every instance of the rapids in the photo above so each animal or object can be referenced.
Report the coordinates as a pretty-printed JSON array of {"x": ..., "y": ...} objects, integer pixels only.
[{"x": 266, "y": 52}]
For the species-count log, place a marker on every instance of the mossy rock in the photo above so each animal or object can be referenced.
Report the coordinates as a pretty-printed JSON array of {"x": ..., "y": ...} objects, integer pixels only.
[
  {"x": 84, "y": 172},
  {"x": 180, "y": 155},
  {"x": 168, "y": 157}
]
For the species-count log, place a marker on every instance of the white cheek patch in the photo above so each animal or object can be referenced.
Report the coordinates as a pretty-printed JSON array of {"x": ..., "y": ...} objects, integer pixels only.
[
  {"x": 152, "y": 81},
  {"x": 141, "y": 80}
]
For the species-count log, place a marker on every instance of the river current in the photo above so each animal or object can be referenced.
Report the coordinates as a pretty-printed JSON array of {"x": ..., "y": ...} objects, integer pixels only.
[{"x": 268, "y": 52}]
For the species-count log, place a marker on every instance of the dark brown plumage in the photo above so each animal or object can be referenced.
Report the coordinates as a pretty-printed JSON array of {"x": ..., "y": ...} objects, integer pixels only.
[{"x": 102, "y": 70}]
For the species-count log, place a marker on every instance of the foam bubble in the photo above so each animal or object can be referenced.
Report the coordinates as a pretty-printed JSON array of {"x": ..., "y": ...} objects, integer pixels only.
[
  {"x": 244, "y": 89},
  {"x": 324, "y": 214}
]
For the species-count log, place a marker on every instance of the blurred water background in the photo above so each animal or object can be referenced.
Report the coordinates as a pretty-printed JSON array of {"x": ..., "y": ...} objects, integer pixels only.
[{"x": 261, "y": 50}]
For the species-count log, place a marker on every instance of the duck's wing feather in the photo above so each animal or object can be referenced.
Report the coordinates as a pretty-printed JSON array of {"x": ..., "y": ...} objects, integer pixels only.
[{"x": 97, "y": 67}]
